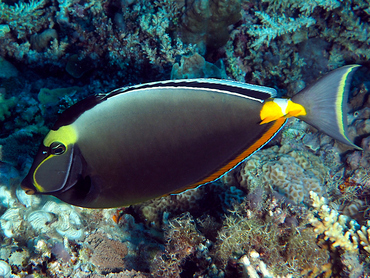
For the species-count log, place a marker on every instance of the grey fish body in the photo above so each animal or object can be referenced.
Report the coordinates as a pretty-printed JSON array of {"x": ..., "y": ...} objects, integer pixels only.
[
  {"x": 140, "y": 145},
  {"x": 150, "y": 140}
]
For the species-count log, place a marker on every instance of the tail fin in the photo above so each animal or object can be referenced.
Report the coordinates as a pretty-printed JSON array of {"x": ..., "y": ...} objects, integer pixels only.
[{"x": 326, "y": 103}]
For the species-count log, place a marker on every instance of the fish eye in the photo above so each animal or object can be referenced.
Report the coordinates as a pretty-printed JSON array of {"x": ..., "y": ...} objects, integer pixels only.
[{"x": 57, "y": 148}]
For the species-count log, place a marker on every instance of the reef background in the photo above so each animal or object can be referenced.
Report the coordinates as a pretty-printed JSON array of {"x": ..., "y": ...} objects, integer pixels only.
[{"x": 262, "y": 219}]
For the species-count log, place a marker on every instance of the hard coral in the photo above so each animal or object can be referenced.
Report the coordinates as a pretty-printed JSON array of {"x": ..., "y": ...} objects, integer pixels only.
[
  {"x": 122, "y": 274},
  {"x": 5, "y": 105},
  {"x": 41, "y": 41},
  {"x": 342, "y": 231},
  {"x": 275, "y": 241},
  {"x": 205, "y": 22},
  {"x": 195, "y": 66},
  {"x": 108, "y": 255},
  {"x": 143, "y": 34},
  {"x": 264, "y": 48},
  {"x": 50, "y": 97},
  {"x": 291, "y": 179},
  {"x": 153, "y": 211},
  {"x": 182, "y": 238},
  {"x": 292, "y": 173}
]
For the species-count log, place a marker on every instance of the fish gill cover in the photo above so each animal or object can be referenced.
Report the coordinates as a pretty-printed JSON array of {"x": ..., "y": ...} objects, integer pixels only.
[{"x": 259, "y": 220}]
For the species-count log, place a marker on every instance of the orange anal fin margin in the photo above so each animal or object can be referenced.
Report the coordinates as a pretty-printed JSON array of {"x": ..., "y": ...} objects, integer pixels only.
[{"x": 267, "y": 136}]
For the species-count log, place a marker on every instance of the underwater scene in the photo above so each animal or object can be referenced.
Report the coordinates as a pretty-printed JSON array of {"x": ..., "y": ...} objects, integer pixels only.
[{"x": 296, "y": 200}]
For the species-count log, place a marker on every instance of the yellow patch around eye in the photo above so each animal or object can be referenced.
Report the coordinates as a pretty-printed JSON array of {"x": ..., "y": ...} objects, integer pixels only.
[{"x": 65, "y": 134}]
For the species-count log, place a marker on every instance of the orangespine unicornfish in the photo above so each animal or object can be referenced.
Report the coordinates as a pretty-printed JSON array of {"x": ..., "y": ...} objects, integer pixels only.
[{"x": 155, "y": 139}]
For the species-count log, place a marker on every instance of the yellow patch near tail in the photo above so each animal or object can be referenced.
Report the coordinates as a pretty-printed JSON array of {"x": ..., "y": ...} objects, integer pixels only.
[
  {"x": 270, "y": 111},
  {"x": 278, "y": 108},
  {"x": 295, "y": 110}
]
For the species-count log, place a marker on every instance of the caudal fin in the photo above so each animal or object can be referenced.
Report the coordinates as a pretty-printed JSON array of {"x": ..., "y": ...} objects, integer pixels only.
[{"x": 326, "y": 103}]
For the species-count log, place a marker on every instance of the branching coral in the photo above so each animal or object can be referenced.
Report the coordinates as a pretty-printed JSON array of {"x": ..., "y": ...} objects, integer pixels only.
[
  {"x": 156, "y": 26},
  {"x": 364, "y": 236},
  {"x": 144, "y": 36},
  {"x": 144, "y": 32},
  {"x": 274, "y": 27},
  {"x": 281, "y": 25},
  {"x": 23, "y": 18},
  {"x": 265, "y": 48},
  {"x": 342, "y": 231},
  {"x": 306, "y": 8}
]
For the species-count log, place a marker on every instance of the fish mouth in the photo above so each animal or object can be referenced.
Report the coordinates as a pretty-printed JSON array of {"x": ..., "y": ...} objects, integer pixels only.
[{"x": 30, "y": 190}]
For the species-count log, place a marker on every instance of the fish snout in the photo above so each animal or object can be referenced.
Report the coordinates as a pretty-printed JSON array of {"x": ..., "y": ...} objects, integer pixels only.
[{"x": 28, "y": 188}]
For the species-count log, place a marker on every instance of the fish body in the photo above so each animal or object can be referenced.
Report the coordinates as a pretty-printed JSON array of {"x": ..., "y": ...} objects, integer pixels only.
[{"x": 155, "y": 139}]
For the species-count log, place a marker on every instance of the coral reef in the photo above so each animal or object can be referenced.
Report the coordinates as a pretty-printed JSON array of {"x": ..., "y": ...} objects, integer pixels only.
[
  {"x": 195, "y": 66},
  {"x": 293, "y": 173},
  {"x": 183, "y": 239},
  {"x": 28, "y": 32},
  {"x": 7, "y": 69},
  {"x": 4, "y": 269},
  {"x": 52, "y": 218},
  {"x": 269, "y": 45},
  {"x": 273, "y": 239},
  {"x": 158, "y": 210},
  {"x": 6, "y": 105},
  {"x": 76, "y": 66},
  {"x": 294, "y": 176},
  {"x": 108, "y": 255},
  {"x": 342, "y": 231},
  {"x": 205, "y": 23},
  {"x": 51, "y": 97},
  {"x": 123, "y": 274},
  {"x": 41, "y": 41},
  {"x": 252, "y": 263},
  {"x": 258, "y": 220}
]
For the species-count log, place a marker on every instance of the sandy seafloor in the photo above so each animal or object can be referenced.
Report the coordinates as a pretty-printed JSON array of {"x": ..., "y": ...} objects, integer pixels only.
[{"x": 260, "y": 220}]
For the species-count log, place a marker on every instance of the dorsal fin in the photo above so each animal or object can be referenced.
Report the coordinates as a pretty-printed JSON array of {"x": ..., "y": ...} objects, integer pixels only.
[
  {"x": 73, "y": 112},
  {"x": 256, "y": 92}
]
